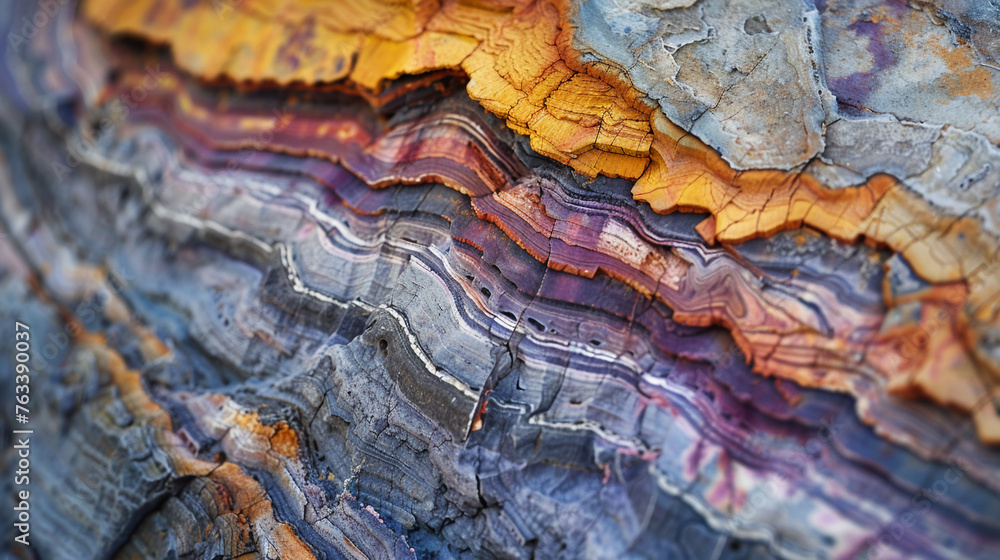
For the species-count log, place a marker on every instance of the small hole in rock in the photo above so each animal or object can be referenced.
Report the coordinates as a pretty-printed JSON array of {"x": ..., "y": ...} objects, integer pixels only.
[
  {"x": 756, "y": 25},
  {"x": 383, "y": 345},
  {"x": 536, "y": 324},
  {"x": 486, "y": 292}
]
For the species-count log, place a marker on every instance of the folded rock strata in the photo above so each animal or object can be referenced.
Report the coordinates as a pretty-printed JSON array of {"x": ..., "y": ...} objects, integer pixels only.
[{"x": 676, "y": 293}]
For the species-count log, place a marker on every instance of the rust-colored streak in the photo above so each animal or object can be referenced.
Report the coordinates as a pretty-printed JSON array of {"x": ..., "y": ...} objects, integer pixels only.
[
  {"x": 966, "y": 77},
  {"x": 237, "y": 491}
]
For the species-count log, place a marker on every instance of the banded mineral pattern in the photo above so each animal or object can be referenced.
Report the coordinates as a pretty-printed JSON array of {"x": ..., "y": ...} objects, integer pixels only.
[{"x": 689, "y": 279}]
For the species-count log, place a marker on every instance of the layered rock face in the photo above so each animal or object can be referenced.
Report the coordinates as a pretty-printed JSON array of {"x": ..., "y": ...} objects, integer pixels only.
[{"x": 689, "y": 279}]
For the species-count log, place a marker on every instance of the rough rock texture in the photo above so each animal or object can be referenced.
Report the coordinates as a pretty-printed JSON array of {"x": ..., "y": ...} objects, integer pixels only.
[
  {"x": 677, "y": 292},
  {"x": 745, "y": 76}
]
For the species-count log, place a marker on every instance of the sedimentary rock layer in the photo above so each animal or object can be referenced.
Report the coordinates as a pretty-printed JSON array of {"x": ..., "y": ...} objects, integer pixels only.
[
  {"x": 556, "y": 73},
  {"x": 295, "y": 294}
]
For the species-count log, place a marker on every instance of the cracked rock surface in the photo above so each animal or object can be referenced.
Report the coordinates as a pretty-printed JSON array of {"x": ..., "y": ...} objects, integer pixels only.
[{"x": 690, "y": 279}]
